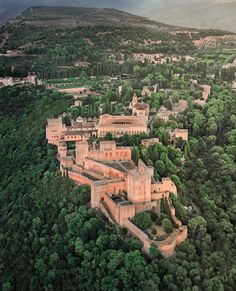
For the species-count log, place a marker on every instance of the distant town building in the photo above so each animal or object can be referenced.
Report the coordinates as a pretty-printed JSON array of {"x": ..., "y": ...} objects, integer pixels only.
[
  {"x": 206, "y": 92},
  {"x": 7, "y": 81},
  {"x": 229, "y": 65},
  {"x": 113, "y": 79},
  {"x": 32, "y": 79},
  {"x": 147, "y": 91},
  {"x": 194, "y": 82},
  {"x": 150, "y": 142},
  {"x": 160, "y": 58},
  {"x": 164, "y": 114},
  {"x": 120, "y": 88},
  {"x": 78, "y": 103},
  {"x": 179, "y": 133},
  {"x": 180, "y": 106},
  {"x": 10, "y": 81}
]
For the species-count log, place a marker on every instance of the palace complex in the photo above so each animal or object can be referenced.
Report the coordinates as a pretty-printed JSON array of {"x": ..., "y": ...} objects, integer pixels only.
[
  {"x": 119, "y": 188},
  {"x": 80, "y": 130}
]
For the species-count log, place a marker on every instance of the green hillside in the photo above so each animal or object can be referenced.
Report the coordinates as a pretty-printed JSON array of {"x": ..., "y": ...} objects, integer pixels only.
[
  {"x": 51, "y": 40},
  {"x": 50, "y": 238}
]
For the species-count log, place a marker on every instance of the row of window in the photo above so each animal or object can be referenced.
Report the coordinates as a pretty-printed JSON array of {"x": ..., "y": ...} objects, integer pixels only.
[
  {"x": 118, "y": 153},
  {"x": 73, "y": 136},
  {"x": 84, "y": 128},
  {"x": 130, "y": 132}
]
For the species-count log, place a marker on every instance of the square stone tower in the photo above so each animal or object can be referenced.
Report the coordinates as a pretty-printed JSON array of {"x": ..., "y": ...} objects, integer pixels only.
[
  {"x": 81, "y": 152},
  {"x": 139, "y": 184}
]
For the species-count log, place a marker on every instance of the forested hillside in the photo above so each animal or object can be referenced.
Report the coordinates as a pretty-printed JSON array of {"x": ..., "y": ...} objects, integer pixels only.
[
  {"x": 60, "y": 42},
  {"x": 51, "y": 240}
]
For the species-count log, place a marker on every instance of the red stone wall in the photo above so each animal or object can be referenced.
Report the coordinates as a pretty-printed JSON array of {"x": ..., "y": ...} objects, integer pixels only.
[
  {"x": 126, "y": 212},
  {"x": 67, "y": 162},
  {"x": 181, "y": 133},
  {"x": 78, "y": 178},
  {"x": 75, "y": 137},
  {"x": 102, "y": 169},
  {"x": 161, "y": 188},
  {"x": 54, "y": 130},
  {"x": 134, "y": 230},
  {"x": 118, "y": 154},
  {"x": 101, "y": 187},
  {"x": 142, "y": 207},
  {"x": 112, "y": 206}
]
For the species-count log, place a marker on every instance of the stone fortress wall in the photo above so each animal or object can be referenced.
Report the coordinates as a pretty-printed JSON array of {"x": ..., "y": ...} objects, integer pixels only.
[{"x": 119, "y": 188}]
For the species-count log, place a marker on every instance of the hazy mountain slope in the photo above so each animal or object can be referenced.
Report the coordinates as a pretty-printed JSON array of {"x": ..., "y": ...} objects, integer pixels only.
[
  {"x": 10, "y": 8},
  {"x": 195, "y": 13},
  {"x": 48, "y": 18},
  {"x": 80, "y": 16},
  {"x": 218, "y": 14}
]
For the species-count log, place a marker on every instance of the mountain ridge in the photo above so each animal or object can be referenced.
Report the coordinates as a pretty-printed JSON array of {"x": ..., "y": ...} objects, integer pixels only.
[
  {"x": 155, "y": 14},
  {"x": 213, "y": 14},
  {"x": 96, "y": 16}
]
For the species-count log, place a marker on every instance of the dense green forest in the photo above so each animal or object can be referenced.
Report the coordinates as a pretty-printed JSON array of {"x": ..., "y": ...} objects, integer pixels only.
[
  {"x": 51, "y": 240},
  {"x": 101, "y": 42},
  {"x": 53, "y": 52}
]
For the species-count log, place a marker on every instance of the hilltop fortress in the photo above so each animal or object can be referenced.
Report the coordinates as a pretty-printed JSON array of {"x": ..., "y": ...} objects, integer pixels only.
[{"x": 119, "y": 188}]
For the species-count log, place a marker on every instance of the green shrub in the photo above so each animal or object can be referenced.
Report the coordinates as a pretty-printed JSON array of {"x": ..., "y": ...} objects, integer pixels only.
[
  {"x": 154, "y": 216},
  {"x": 154, "y": 231},
  {"x": 167, "y": 225},
  {"x": 143, "y": 220}
]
